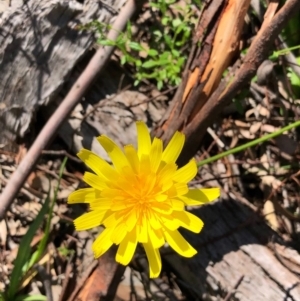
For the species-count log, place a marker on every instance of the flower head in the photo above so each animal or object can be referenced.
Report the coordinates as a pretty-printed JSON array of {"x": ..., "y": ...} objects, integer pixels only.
[{"x": 141, "y": 198}]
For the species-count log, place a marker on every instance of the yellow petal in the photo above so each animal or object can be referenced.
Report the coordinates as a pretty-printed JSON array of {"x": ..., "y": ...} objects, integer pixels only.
[
  {"x": 154, "y": 221},
  {"x": 143, "y": 139},
  {"x": 126, "y": 182},
  {"x": 85, "y": 195},
  {"x": 118, "y": 234},
  {"x": 189, "y": 221},
  {"x": 132, "y": 157},
  {"x": 115, "y": 194},
  {"x": 95, "y": 181},
  {"x": 200, "y": 196},
  {"x": 145, "y": 166},
  {"x": 156, "y": 154},
  {"x": 116, "y": 155},
  {"x": 181, "y": 188},
  {"x": 186, "y": 173},
  {"x": 118, "y": 205},
  {"x": 149, "y": 183},
  {"x": 153, "y": 259},
  {"x": 156, "y": 237},
  {"x": 177, "y": 205},
  {"x": 101, "y": 204},
  {"x": 178, "y": 243},
  {"x": 112, "y": 219},
  {"x": 112, "y": 193},
  {"x": 170, "y": 222},
  {"x": 167, "y": 171},
  {"x": 89, "y": 220},
  {"x": 97, "y": 164},
  {"x": 162, "y": 207},
  {"x": 167, "y": 186},
  {"x": 130, "y": 220},
  {"x": 127, "y": 247},
  {"x": 173, "y": 149},
  {"x": 102, "y": 243},
  {"x": 143, "y": 231},
  {"x": 161, "y": 197}
]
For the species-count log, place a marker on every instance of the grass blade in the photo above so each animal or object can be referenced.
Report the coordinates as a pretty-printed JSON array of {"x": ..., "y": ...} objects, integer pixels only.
[{"x": 24, "y": 253}]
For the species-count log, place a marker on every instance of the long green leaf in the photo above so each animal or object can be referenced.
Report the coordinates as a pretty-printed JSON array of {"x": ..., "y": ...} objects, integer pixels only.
[
  {"x": 24, "y": 253},
  {"x": 21, "y": 263}
]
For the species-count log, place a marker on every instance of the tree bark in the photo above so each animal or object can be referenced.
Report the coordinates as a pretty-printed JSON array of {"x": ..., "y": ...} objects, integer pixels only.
[
  {"x": 216, "y": 40},
  {"x": 40, "y": 43},
  {"x": 203, "y": 95},
  {"x": 238, "y": 254}
]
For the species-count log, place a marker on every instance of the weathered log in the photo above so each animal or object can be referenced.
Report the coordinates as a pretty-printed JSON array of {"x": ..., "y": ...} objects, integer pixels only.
[
  {"x": 40, "y": 43},
  {"x": 238, "y": 254}
]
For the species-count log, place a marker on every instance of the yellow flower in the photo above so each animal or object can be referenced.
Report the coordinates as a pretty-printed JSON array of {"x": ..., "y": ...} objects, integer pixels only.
[{"x": 141, "y": 198}]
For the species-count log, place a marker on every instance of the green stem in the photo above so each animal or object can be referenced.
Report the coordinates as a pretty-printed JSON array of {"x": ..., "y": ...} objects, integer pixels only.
[
  {"x": 249, "y": 144},
  {"x": 285, "y": 50}
]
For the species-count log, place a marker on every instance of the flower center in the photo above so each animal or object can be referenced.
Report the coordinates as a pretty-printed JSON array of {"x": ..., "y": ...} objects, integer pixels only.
[{"x": 144, "y": 191}]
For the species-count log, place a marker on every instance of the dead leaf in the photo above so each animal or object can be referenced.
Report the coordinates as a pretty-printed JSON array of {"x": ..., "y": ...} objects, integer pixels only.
[
  {"x": 251, "y": 112},
  {"x": 3, "y": 233},
  {"x": 13, "y": 226},
  {"x": 268, "y": 128},
  {"x": 263, "y": 111},
  {"x": 34, "y": 207},
  {"x": 247, "y": 134},
  {"x": 271, "y": 181},
  {"x": 265, "y": 161},
  {"x": 270, "y": 215},
  {"x": 241, "y": 124},
  {"x": 254, "y": 128}
]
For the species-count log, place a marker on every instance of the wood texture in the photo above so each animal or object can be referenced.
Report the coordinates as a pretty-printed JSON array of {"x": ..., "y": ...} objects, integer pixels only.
[
  {"x": 40, "y": 44},
  {"x": 237, "y": 249},
  {"x": 215, "y": 42},
  {"x": 239, "y": 76}
]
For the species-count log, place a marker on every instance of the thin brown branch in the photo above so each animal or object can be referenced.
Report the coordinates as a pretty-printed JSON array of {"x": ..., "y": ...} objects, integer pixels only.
[{"x": 73, "y": 97}]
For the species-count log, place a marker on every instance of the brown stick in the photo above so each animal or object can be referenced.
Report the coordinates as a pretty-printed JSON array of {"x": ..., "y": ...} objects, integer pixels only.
[
  {"x": 73, "y": 97},
  {"x": 257, "y": 53}
]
